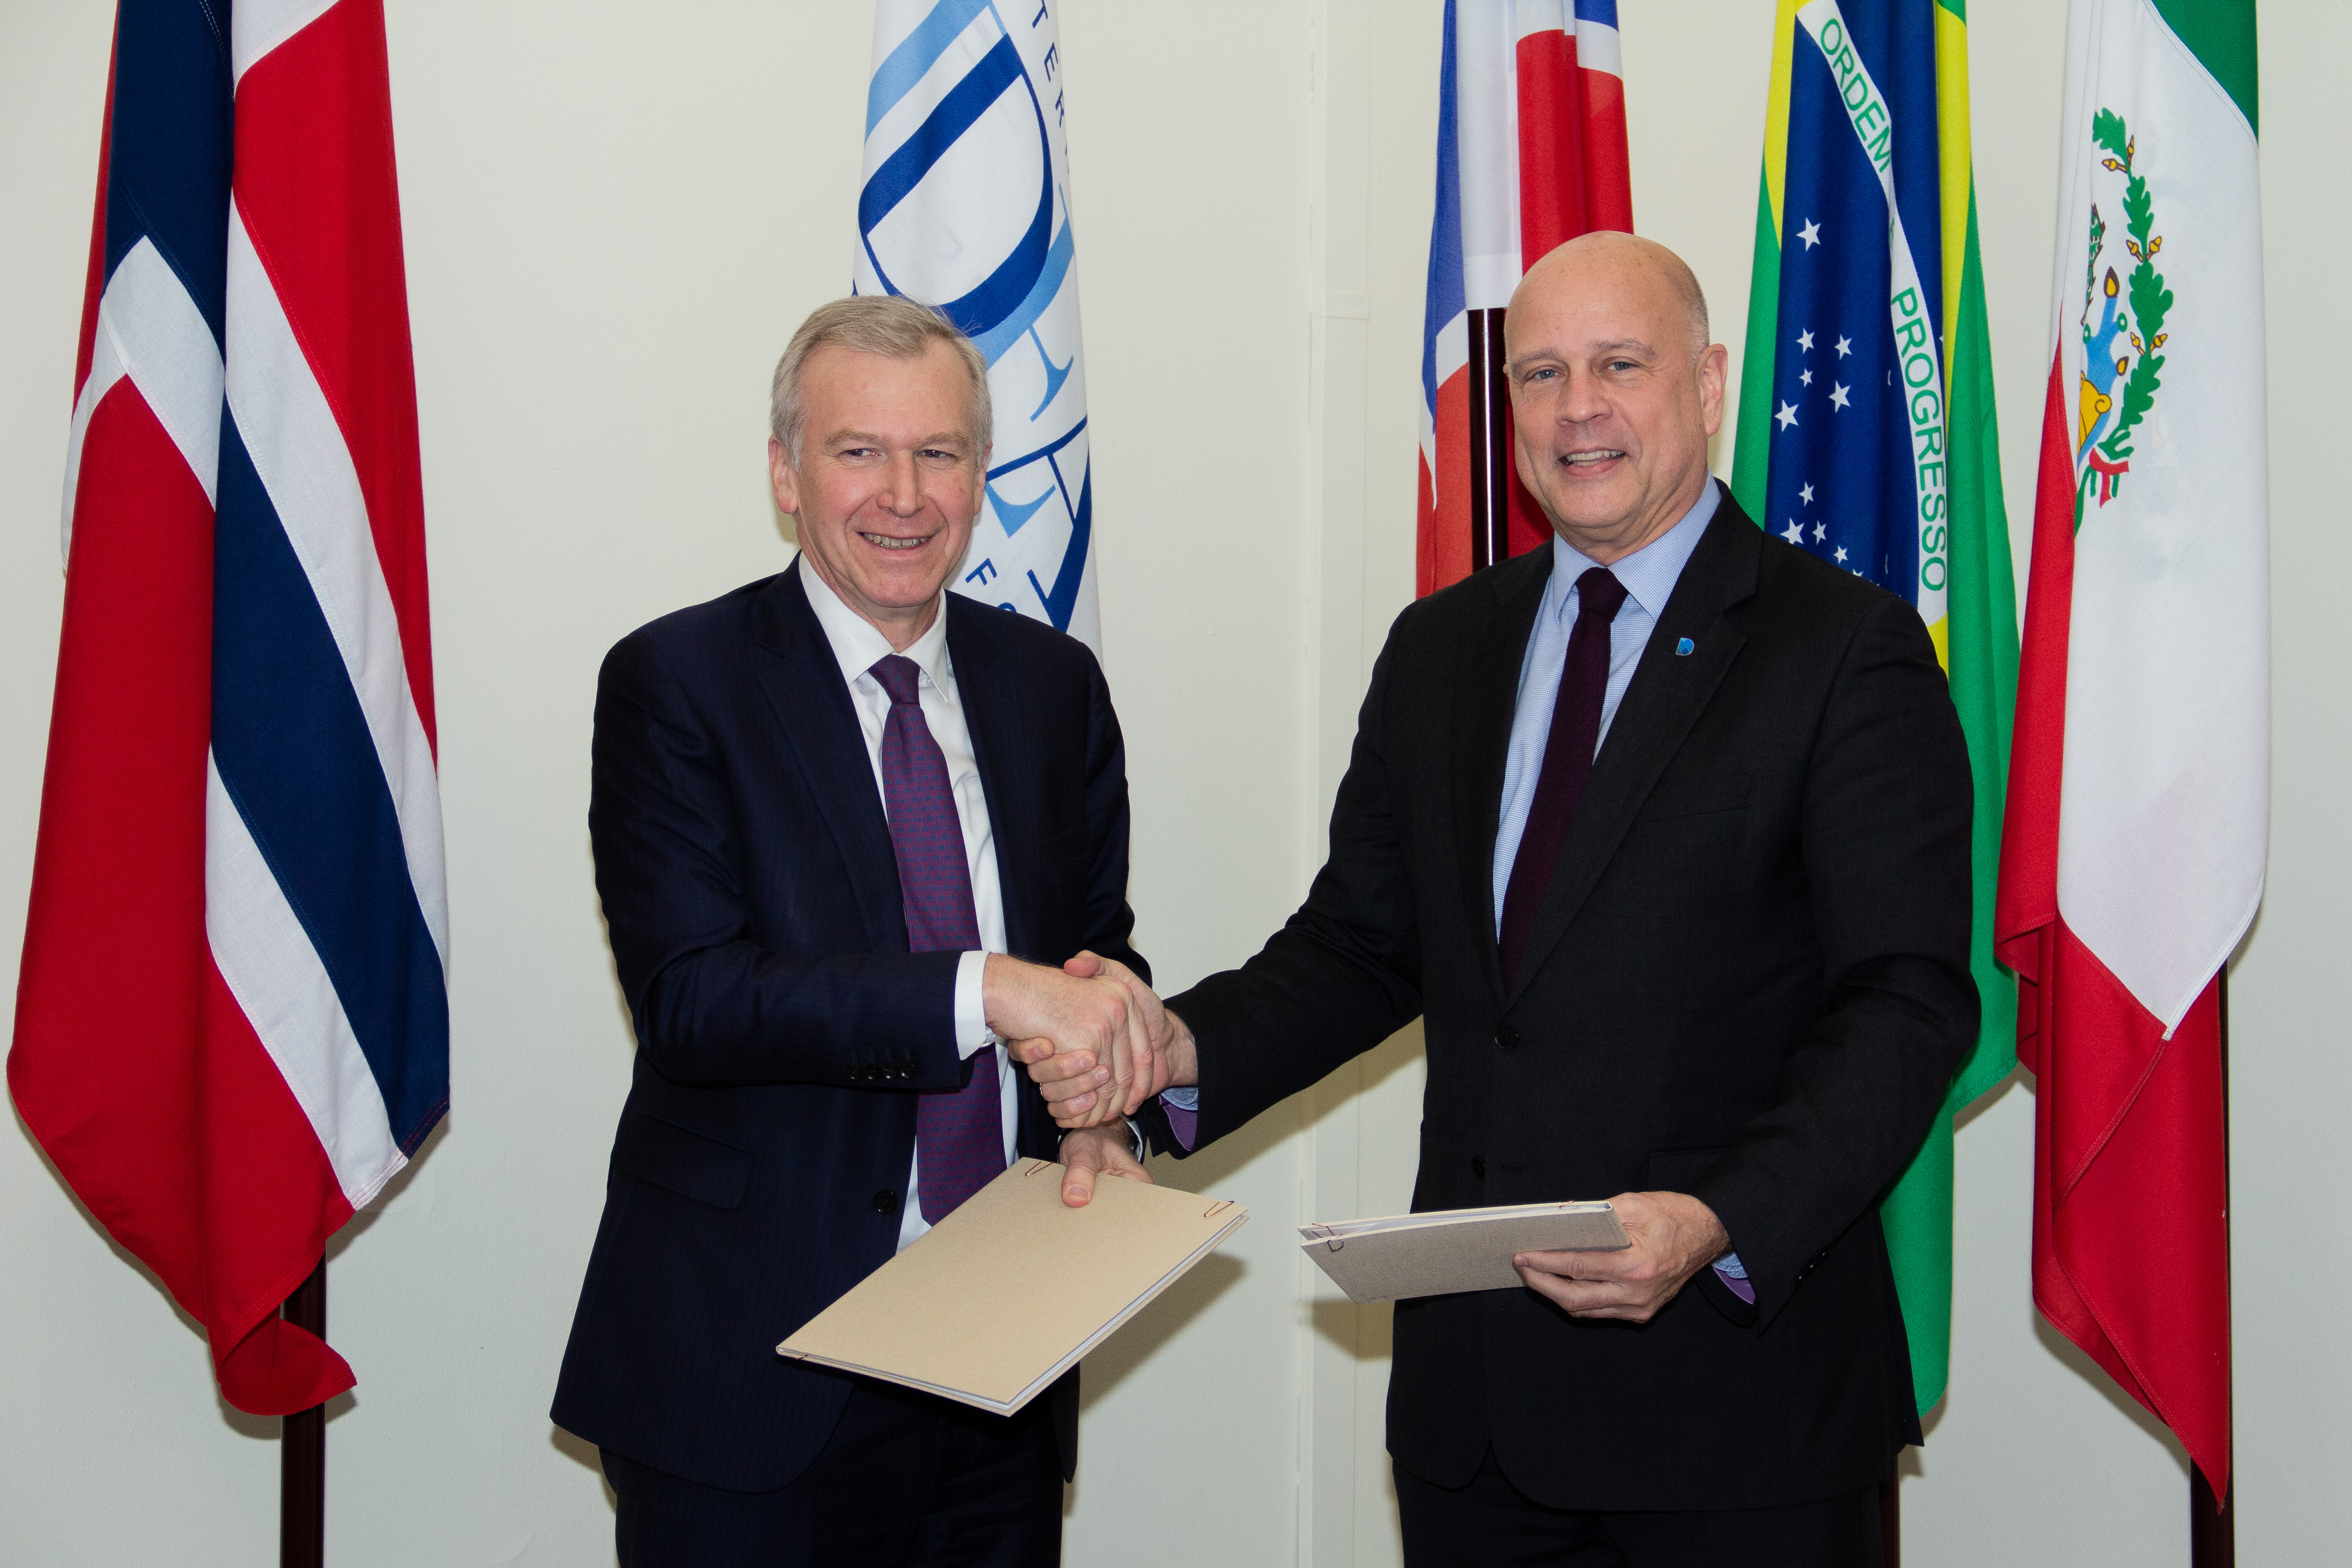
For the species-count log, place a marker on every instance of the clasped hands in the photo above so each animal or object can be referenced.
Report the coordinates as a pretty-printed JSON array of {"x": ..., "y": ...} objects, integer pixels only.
[{"x": 1098, "y": 1043}]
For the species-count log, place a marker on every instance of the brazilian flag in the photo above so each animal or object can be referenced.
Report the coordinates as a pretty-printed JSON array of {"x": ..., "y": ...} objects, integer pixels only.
[{"x": 1866, "y": 437}]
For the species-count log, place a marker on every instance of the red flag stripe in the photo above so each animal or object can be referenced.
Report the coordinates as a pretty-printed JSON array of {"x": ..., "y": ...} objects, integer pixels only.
[{"x": 317, "y": 189}]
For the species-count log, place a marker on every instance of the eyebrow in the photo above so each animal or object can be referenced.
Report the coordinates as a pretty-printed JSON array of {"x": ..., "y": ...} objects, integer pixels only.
[
  {"x": 1615, "y": 346},
  {"x": 867, "y": 438}
]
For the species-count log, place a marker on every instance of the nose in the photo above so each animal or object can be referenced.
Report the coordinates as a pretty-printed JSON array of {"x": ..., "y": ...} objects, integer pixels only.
[
  {"x": 902, "y": 485},
  {"x": 1581, "y": 397}
]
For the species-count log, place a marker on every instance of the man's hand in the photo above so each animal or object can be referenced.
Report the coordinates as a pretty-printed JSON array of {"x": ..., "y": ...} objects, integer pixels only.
[
  {"x": 1080, "y": 1097},
  {"x": 1674, "y": 1234},
  {"x": 1085, "y": 1026},
  {"x": 1098, "y": 1151}
]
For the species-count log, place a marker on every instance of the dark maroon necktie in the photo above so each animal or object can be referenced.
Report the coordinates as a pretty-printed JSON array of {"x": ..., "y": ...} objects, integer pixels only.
[
  {"x": 959, "y": 1136},
  {"x": 1567, "y": 761}
]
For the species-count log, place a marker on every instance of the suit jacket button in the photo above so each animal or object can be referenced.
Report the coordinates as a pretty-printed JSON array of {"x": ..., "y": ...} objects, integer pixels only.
[
  {"x": 1507, "y": 1038},
  {"x": 885, "y": 1202},
  {"x": 1478, "y": 1167}
]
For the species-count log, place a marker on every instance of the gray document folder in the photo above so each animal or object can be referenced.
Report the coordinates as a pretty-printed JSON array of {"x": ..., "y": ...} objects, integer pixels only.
[{"x": 1438, "y": 1253}]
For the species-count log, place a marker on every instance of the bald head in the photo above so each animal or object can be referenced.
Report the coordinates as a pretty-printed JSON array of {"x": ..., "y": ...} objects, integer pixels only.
[
  {"x": 1605, "y": 257},
  {"x": 1614, "y": 391}
]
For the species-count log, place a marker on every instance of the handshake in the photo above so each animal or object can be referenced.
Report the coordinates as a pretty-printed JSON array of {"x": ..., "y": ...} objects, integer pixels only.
[{"x": 1098, "y": 1044}]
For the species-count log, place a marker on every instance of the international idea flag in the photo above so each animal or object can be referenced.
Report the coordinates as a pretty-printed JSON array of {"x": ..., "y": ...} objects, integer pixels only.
[
  {"x": 965, "y": 205},
  {"x": 2139, "y": 795},
  {"x": 1866, "y": 437},
  {"x": 232, "y": 1026},
  {"x": 1530, "y": 153}
]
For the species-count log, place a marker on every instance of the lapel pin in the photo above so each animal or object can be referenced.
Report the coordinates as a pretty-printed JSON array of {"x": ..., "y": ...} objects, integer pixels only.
[{"x": 1685, "y": 648}]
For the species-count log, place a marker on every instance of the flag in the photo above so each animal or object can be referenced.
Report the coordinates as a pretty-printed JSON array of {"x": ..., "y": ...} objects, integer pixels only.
[
  {"x": 966, "y": 206},
  {"x": 1530, "y": 153},
  {"x": 2140, "y": 794},
  {"x": 1866, "y": 437},
  {"x": 231, "y": 1022}
]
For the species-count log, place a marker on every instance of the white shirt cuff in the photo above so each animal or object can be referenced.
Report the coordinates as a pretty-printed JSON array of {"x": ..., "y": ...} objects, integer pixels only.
[{"x": 971, "y": 1030}]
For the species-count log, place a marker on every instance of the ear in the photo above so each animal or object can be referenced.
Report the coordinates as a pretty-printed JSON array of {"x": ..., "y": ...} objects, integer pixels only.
[
  {"x": 781, "y": 475},
  {"x": 1714, "y": 368}
]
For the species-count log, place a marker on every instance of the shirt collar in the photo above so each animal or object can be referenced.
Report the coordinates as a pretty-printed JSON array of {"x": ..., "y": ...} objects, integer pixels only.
[
  {"x": 858, "y": 645},
  {"x": 1651, "y": 572}
]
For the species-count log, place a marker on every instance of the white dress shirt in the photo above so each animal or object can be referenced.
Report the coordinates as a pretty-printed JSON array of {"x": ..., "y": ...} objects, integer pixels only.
[{"x": 857, "y": 646}]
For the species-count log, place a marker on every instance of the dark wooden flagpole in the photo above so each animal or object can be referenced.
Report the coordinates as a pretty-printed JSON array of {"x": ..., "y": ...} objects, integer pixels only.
[
  {"x": 1490, "y": 442},
  {"x": 302, "y": 1447},
  {"x": 2213, "y": 1528}
]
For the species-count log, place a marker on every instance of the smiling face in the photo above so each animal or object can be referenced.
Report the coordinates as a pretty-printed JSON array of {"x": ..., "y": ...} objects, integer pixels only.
[
  {"x": 1615, "y": 391},
  {"x": 887, "y": 482}
]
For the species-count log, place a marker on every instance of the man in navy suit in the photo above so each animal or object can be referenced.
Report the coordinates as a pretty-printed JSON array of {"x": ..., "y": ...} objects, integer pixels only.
[{"x": 826, "y": 807}]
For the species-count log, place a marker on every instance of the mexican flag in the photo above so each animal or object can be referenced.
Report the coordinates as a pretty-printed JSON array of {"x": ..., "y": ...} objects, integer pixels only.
[
  {"x": 2138, "y": 804},
  {"x": 1866, "y": 437}
]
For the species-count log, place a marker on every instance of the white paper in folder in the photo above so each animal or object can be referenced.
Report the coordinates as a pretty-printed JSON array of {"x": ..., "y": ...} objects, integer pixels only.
[{"x": 1445, "y": 1250}]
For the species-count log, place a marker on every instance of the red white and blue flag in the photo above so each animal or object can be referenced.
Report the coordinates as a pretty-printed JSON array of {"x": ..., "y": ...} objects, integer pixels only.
[
  {"x": 1530, "y": 153},
  {"x": 232, "y": 1023}
]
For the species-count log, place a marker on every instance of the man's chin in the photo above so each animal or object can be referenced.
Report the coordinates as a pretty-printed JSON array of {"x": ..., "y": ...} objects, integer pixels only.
[{"x": 1589, "y": 507}]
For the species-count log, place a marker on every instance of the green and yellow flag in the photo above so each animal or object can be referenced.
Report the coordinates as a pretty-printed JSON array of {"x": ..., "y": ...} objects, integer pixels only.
[{"x": 1866, "y": 437}]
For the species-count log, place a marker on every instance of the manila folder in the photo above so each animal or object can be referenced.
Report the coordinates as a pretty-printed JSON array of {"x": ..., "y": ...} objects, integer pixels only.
[
  {"x": 1441, "y": 1251},
  {"x": 999, "y": 1298}
]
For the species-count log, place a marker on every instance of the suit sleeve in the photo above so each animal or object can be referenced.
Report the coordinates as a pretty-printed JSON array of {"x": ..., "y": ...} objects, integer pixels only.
[
  {"x": 713, "y": 1009},
  {"x": 1884, "y": 837},
  {"x": 1341, "y": 976}
]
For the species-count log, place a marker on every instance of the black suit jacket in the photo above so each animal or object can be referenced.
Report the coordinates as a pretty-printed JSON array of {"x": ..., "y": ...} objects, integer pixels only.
[
  {"x": 1747, "y": 981},
  {"x": 752, "y": 896}
]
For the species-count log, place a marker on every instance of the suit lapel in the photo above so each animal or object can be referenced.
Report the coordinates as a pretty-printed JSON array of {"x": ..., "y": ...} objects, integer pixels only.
[
  {"x": 996, "y": 713},
  {"x": 804, "y": 689},
  {"x": 1487, "y": 698},
  {"x": 1668, "y": 692}
]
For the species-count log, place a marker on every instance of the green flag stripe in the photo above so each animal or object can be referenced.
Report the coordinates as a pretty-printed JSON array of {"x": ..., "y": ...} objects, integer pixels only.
[
  {"x": 2221, "y": 33},
  {"x": 1751, "y": 457},
  {"x": 1983, "y": 644},
  {"x": 1982, "y": 629}
]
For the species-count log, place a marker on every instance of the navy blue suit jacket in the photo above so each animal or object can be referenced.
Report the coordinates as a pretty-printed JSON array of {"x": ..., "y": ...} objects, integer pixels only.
[{"x": 784, "y": 1030}]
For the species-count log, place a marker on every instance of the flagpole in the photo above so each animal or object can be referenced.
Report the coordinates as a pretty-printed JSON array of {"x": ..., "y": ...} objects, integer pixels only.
[
  {"x": 2213, "y": 1528},
  {"x": 303, "y": 1447},
  {"x": 1490, "y": 442}
]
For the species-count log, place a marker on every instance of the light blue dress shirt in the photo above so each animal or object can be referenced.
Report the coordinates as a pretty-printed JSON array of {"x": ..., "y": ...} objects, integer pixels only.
[{"x": 1649, "y": 575}]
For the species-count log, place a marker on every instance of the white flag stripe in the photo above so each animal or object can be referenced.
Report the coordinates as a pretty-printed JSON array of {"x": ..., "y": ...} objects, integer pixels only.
[
  {"x": 1530, "y": 17},
  {"x": 1452, "y": 354},
  {"x": 1597, "y": 47},
  {"x": 257, "y": 26},
  {"x": 149, "y": 330},
  {"x": 297, "y": 449},
  {"x": 2164, "y": 810},
  {"x": 274, "y": 973},
  {"x": 1487, "y": 129}
]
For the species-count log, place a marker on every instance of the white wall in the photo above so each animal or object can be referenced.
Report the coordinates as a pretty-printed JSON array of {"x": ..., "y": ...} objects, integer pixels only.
[{"x": 614, "y": 216}]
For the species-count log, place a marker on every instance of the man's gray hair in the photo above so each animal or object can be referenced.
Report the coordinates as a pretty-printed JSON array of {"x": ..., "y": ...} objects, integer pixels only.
[{"x": 887, "y": 324}]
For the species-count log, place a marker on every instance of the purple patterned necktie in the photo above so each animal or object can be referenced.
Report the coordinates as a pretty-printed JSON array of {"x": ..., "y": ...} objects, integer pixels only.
[
  {"x": 959, "y": 1136},
  {"x": 1567, "y": 761}
]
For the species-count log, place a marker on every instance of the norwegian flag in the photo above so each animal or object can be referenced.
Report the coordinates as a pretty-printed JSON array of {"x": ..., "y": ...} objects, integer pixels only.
[
  {"x": 1530, "y": 153},
  {"x": 232, "y": 1024}
]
